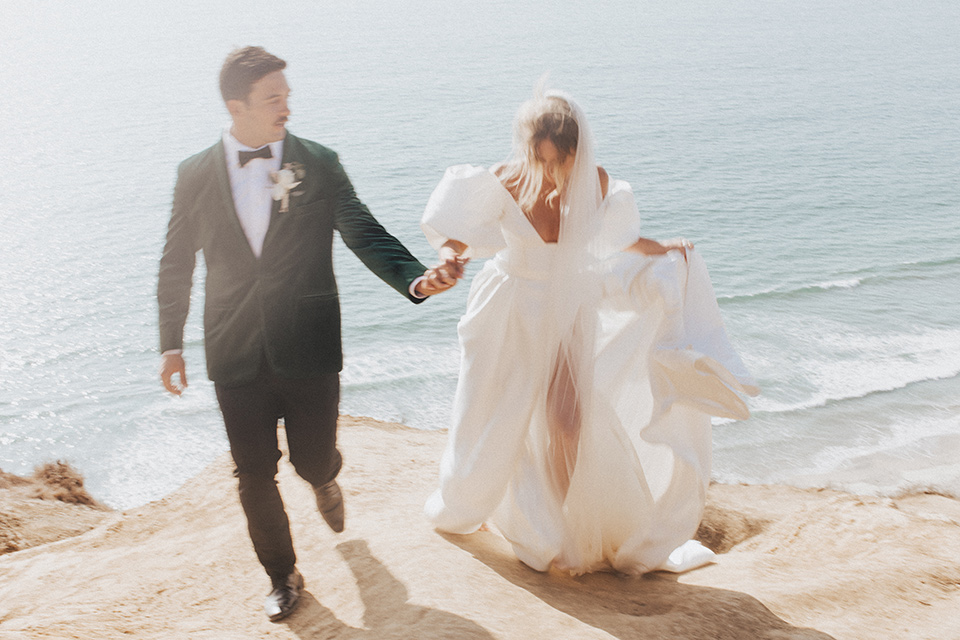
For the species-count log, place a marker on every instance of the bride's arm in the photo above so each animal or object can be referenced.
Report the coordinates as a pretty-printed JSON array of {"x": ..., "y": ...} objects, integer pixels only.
[{"x": 653, "y": 248}]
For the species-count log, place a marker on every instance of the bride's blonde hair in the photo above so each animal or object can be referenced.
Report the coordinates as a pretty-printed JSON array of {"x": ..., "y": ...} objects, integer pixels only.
[{"x": 541, "y": 118}]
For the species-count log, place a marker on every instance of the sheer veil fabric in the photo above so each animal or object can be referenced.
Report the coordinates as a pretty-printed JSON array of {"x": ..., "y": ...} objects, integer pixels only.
[{"x": 581, "y": 423}]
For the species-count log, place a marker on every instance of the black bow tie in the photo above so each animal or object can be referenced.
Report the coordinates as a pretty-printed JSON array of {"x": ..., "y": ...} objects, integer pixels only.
[{"x": 262, "y": 152}]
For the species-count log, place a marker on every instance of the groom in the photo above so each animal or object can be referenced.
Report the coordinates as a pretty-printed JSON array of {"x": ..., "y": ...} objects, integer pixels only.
[{"x": 262, "y": 205}]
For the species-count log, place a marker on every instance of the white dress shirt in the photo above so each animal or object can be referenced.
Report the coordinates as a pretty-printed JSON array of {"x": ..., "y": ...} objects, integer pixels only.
[{"x": 252, "y": 187}]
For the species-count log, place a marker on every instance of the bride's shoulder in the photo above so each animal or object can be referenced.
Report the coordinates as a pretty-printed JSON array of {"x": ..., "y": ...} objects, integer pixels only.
[
  {"x": 604, "y": 180},
  {"x": 616, "y": 192},
  {"x": 508, "y": 180},
  {"x": 467, "y": 172}
]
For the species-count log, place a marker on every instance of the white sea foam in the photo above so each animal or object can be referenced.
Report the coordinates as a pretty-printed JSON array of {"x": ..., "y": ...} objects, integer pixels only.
[
  {"x": 916, "y": 455},
  {"x": 848, "y": 283},
  {"x": 876, "y": 442},
  {"x": 393, "y": 363},
  {"x": 788, "y": 291},
  {"x": 852, "y": 365}
]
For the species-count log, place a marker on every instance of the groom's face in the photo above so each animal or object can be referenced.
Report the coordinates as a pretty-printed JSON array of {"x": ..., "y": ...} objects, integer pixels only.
[{"x": 262, "y": 117}]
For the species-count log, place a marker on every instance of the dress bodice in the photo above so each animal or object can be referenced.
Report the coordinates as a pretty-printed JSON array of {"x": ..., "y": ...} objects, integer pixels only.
[
  {"x": 472, "y": 206},
  {"x": 525, "y": 255}
]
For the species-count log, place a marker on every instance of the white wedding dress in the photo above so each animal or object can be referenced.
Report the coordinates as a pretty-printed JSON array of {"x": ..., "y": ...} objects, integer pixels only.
[{"x": 660, "y": 364}]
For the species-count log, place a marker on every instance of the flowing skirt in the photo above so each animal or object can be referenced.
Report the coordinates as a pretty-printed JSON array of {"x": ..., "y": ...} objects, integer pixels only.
[{"x": 619, "y": 480}]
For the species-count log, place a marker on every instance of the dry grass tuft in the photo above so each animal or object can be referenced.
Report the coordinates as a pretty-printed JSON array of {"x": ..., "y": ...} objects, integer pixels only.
[{"x": 59, "y": 481}]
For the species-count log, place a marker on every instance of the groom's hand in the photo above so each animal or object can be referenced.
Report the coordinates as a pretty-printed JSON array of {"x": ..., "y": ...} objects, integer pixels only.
[
  {"x": 170, "y": 364},
  {"x": 433, "y": 283},
  {"x": 439, "y": 278}
]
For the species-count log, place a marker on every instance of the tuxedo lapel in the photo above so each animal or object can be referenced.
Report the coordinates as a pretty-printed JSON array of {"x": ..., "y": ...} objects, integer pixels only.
[
  {"x": 289, "y": 155},
  {"x": 226, "y": 195}
]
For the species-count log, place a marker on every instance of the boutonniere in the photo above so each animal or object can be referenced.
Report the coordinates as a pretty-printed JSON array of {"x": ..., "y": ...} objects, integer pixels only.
[{"x": 284, "y": 182}]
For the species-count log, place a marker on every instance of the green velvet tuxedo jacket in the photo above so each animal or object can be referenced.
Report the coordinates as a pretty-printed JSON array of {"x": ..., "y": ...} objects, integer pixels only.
[{"x": 283, "y": 305}]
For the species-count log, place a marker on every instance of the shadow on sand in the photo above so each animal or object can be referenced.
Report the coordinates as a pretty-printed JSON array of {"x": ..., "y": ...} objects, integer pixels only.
[
  {"x": 387, "y": 613},
  {"x": 629, "y": 607}
]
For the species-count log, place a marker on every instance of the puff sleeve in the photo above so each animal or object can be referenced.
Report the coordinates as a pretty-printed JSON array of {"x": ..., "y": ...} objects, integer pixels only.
[
  {"x": 467, "y": 206},
  {"x": 620, "y": 219}
]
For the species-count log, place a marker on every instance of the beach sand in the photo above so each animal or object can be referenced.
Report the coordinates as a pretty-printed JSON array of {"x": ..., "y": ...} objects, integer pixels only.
[{"x": 795, "y": 564}]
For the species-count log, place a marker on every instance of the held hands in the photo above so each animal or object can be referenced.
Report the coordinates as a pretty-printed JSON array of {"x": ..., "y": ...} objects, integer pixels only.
[
  {"x": 444, "y": 275},
  {"x": 170, "y": 364},
  {"x": 441, "y": 277}
]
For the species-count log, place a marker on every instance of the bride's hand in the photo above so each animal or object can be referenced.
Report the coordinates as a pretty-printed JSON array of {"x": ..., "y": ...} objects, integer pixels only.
[
  {"x": 452, "y": 262},
  {"x": 451, "y": 253},
  {"x": 680, "y": 244},
  {"x": 650, "y": 247}
]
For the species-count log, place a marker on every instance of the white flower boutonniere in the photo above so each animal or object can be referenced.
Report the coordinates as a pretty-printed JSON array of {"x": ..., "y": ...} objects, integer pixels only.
[{"x": 284, "y": 182}]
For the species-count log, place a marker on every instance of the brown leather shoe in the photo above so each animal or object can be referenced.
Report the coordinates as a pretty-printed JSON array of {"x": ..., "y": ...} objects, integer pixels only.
[
  {"x": 283, "y": 599},
  {"x": 330, "y": 503}
]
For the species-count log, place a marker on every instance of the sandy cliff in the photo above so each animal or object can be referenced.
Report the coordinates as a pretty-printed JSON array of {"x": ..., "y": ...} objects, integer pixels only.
[{"x": 796, "y": 564}]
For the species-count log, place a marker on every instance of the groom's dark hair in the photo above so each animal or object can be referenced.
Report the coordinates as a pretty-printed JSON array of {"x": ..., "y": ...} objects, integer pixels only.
[{"x": 243, "y": 68}]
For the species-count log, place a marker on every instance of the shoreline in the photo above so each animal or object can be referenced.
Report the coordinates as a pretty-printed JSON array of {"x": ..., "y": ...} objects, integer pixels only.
[{"x": 794, "y": 563}]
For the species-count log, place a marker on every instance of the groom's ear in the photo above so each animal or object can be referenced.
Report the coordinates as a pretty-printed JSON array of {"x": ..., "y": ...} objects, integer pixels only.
[{"x": 235, "y": 107}]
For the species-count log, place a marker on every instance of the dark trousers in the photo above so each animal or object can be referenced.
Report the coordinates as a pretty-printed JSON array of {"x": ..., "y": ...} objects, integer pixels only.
[{"x": 309, "y": 408}]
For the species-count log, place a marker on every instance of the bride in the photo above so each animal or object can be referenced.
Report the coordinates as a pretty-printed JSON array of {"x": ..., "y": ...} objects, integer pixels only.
[{"x": 592, "y": 360}]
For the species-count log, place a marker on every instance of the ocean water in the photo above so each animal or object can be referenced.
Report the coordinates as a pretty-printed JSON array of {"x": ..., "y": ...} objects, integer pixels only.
[{"x": 811, "y": 150}]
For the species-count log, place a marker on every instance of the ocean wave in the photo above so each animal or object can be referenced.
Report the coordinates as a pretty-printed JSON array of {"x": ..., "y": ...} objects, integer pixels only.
[
  {"x": 930, "y": 263},
  {"x": 826, "y": 400},
  {"x": 790, "y": 292},
  {"x": 378, "y": 364},
  {"x": 848, "y": 280},
  {"x": 858, "y": 366}
]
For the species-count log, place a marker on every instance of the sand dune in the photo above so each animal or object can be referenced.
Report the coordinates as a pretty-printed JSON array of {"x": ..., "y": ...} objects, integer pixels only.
[{"x": 796, "y": 564}]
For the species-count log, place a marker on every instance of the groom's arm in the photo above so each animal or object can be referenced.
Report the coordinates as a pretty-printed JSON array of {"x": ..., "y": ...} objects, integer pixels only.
[
  {"x": 174, "y": 283},
  {"x": 379, "y": 250}
]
